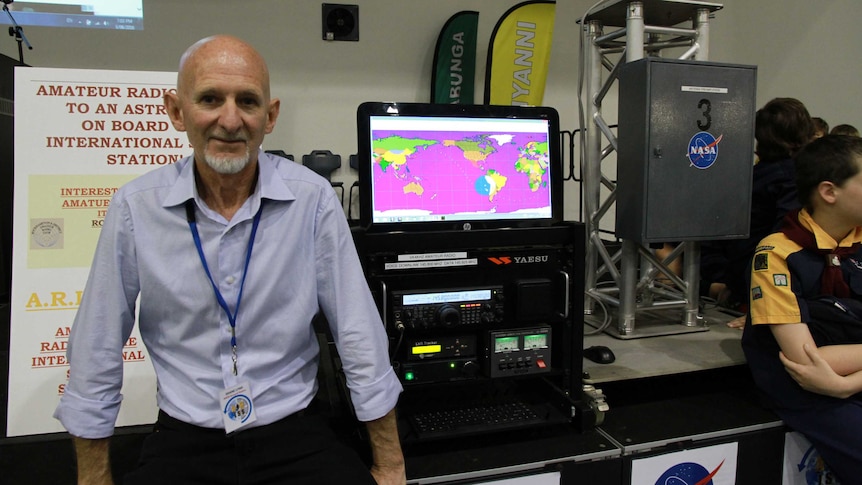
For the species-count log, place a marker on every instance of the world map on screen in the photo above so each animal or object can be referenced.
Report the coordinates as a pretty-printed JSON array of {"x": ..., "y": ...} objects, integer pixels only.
[{"x": 449, "y": 173}]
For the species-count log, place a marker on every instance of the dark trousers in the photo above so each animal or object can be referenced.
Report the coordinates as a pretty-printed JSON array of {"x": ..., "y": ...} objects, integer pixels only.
[{"x": 299, "y": 449}]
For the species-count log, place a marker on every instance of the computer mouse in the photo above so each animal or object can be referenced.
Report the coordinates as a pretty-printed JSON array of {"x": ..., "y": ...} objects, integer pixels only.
[{"x": 599, "y": 354}]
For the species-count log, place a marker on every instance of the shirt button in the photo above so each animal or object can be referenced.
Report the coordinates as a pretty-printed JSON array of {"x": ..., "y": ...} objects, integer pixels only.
[{"x": 229, "y": 280}]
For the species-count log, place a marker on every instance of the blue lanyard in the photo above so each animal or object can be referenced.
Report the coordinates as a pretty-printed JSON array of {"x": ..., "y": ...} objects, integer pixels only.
[{"x": 231, "y": 317}]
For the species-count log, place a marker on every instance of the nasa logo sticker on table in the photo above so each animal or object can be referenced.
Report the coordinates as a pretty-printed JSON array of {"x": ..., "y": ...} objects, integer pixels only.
[
  {"x": 687, "y": 473},
  {"x": 709, "y": 465},
  {"x": 703, "y": 149}
]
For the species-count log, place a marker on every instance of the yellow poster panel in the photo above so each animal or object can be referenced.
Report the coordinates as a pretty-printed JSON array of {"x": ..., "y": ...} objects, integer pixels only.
[{"x": 65, "y": 215}]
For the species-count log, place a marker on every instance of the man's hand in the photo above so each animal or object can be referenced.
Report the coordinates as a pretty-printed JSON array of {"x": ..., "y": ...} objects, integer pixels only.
[
  {"x": 388, "y": 465},
  {"x": 817, "y": 376}
]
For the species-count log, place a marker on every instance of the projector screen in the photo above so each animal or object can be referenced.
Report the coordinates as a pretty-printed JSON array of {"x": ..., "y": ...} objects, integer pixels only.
[{"x": 92, "y": 14}]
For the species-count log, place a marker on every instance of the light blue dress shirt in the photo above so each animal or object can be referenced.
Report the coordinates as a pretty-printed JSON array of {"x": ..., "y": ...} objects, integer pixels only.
[{"x": 303, "y": 259}]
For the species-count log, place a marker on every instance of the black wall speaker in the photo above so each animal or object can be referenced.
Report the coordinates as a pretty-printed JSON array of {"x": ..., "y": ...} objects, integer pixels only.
[{"x": 340, "y": 22}]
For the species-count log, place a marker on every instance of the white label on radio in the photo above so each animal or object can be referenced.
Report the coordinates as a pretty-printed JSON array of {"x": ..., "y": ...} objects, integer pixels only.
[
  {"x": 431, "y": 264},
  {"x": 431, "y": 256}
]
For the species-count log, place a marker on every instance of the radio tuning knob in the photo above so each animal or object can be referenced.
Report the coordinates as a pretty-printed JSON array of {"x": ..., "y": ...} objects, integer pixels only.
[
  {"x": 470, "y": 368},
  {"x": 448, "y": 316}
]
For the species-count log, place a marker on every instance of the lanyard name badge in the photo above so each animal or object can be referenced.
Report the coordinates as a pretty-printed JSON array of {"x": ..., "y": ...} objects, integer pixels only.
[{"x": 237, "y": 406}]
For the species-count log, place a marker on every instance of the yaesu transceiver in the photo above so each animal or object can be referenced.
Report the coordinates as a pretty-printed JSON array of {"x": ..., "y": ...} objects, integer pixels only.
[{"x": 430, "y": 310}]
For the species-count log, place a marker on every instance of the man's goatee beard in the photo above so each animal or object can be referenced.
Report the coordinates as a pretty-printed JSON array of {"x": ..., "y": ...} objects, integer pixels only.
[{"x": 227, "y": 165}]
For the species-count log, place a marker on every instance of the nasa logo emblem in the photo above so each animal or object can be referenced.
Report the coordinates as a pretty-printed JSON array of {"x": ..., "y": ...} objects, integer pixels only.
[
  {"x": 688, "y": 473},
  {"x": 703, "y": 149}
]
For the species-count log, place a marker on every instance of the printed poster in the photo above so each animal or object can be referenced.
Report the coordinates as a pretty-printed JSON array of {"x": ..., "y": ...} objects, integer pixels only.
[{"x": 79, "y": 136}]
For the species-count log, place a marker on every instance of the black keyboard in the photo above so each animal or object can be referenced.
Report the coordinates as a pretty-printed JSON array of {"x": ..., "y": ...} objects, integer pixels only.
[{"x": 477, "y": 419}]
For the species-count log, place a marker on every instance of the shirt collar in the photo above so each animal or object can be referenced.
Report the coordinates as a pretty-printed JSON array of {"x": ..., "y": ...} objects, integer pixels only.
[
  {"x": 270, "y": 184},
  {"x": 824, "y": 240}
]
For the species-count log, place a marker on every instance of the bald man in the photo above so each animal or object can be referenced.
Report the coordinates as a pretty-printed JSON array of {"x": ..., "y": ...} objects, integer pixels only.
[{"x": 231, "y": 252}]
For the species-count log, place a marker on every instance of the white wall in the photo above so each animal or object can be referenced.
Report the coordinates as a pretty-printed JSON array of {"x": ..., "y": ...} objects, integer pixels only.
[
  {"x": 808, "y": 50},
  {"x": 804, "y": 49}
]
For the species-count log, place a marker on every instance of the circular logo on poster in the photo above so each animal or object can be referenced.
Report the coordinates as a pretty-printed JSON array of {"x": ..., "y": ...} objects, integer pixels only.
[
  {"x": 46, "y": 234},
  {"x": 703, "y": 149}
]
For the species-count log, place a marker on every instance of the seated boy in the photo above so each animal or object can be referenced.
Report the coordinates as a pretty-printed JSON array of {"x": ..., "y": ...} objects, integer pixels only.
[{"x": 805, "y": 304}]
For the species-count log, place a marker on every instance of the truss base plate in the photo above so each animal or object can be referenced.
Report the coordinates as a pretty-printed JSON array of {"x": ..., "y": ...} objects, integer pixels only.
[{"x": 653, "y": 323}]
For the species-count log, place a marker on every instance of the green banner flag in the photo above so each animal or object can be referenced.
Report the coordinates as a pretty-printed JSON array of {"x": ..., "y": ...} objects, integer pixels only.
[{"x": 454, "y": 72}]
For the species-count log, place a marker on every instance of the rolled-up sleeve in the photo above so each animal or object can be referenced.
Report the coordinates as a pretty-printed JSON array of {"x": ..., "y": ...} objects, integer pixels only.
[
  {"x": 91, "y": 401},
  {"x": 353, "y": 317}
]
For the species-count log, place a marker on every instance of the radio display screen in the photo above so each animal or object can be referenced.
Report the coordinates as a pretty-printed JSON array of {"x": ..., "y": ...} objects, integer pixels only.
[
  {"x": 426, "y": 349},
  {"x": 446, "y": 297}
]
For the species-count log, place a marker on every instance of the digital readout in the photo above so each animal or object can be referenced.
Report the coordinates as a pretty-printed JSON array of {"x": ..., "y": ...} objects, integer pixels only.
[
  {"x": 426, "y": 349},
  {"x": 446, "y": 297}
]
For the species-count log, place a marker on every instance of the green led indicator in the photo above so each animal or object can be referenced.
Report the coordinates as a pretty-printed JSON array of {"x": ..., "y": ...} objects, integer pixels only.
[
  {"x": 451, "y": 365},
  {"x": 408, "y": 376}
]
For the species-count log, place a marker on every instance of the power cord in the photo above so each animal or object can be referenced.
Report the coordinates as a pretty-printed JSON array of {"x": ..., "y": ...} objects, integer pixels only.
[{"x": 400, "y": 328}]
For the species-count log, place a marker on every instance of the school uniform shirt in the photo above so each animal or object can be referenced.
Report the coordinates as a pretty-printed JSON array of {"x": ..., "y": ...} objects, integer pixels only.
[
  {"x": 302, "y": 259},
  {"x": 785, "y": 279},
  {"x": 784, "y": 276}
]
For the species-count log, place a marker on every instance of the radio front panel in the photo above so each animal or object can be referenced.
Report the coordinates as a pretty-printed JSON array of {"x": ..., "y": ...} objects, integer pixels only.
[
  {"x": 479, "y": 307},
  {"x": 448, "y": 308}
]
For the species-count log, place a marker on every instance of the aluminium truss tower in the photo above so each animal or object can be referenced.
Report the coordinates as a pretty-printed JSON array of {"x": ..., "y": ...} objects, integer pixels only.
[{"x": 641, "y": 283}]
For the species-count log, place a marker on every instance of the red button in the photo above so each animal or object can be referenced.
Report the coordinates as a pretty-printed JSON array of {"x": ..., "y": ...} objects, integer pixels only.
[{"x": 540, "y": 363}]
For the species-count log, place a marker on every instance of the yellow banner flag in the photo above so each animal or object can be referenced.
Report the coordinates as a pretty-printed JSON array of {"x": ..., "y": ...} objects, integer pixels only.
[{"x": 519, "y": 54}]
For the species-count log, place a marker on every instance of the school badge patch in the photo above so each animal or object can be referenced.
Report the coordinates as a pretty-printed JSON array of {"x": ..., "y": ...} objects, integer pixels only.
[
  {"x": 761, "y": 262},
  {"x": 756, "y": 293}
]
